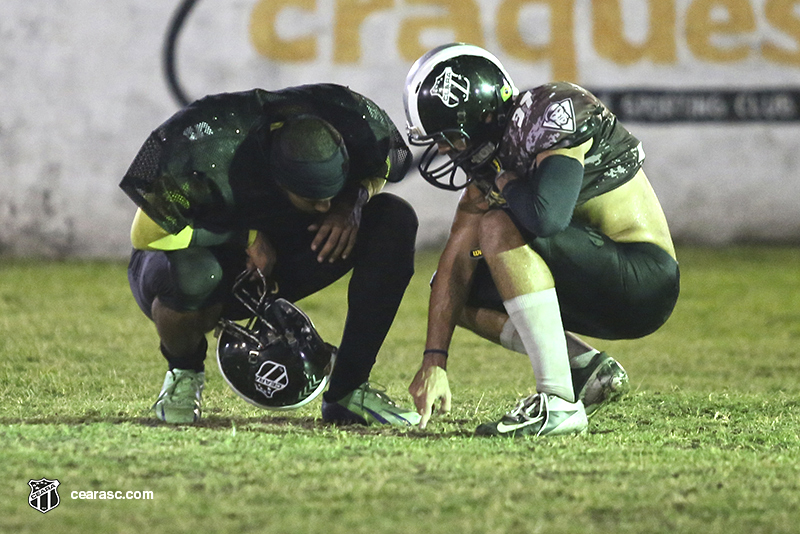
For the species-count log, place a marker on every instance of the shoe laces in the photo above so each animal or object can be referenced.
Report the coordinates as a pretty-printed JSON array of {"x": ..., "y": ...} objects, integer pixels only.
[
  {"x": 529, "y": 408},
  {"x": 379, "y": 393},
  {"x": 183, "y": 380}
]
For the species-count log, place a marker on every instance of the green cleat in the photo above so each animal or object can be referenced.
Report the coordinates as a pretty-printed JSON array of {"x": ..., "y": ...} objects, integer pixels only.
[
  {"x": 602, "y": 381},
  {"x": 365, "y": 406},
  {"x": 181, "y": 395},
  {"x": 539, "y": 415}
]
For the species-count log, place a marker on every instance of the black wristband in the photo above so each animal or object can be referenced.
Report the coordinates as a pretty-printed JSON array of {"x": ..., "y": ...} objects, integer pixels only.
[{"x": 435, "y": 351}]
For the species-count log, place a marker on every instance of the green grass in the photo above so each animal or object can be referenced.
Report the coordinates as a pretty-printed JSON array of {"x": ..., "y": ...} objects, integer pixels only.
[{"x": 707, "y": 441}]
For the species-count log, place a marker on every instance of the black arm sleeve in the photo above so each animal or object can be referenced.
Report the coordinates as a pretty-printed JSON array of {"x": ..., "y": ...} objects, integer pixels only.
[{"x": 544, "y": 201}]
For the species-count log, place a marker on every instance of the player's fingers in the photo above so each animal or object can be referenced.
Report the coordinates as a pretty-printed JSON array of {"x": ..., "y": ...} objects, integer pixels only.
[
  {"x": 447, "y": 400},
  {"x": 340, "y": 247},
  {"x": 426, "y": 415},
  {"x": 418, "y": 397},
  {"x": 351, "y": 242},
  {"x": 322, "y": 234},
  {"x": 330, "y": 244}
]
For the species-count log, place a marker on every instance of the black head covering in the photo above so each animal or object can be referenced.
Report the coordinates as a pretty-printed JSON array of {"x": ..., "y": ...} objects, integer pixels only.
[{"x": 308, "y": 157}]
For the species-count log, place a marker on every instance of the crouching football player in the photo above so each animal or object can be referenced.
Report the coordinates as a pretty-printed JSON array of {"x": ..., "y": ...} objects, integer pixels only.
[
  {"x": 558, "y": 232},
  {"x": 286, "y": 182}
]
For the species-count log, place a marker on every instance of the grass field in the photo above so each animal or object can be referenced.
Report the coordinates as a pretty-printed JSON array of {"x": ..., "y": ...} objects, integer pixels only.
[{"x": 707, "y": 441}]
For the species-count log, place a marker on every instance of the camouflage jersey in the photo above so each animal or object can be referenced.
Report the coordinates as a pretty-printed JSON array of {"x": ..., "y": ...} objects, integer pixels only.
[
  {"x": 206, "y": 167},
  {"x": 563, "y": 115}
]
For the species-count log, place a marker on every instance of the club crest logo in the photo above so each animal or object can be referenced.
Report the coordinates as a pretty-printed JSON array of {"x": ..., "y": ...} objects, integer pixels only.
[
  {"x": 271, "y": 377},
  {"x": 560, "y": 116},
  {"x": 44, "y": 494},
  {"x": 451, "y": 88}
]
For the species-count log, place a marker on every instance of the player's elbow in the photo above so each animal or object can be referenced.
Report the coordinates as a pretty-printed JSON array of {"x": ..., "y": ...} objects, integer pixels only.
[
  {"x": 540, "y": 220},
  {"x": 549, "y": 226}
]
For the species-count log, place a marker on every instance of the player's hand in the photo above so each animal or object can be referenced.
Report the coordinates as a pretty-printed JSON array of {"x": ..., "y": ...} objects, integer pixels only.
[
  {"x": 430, "y": 389},
  {"x": 261, "y": 255},
  {"x": 336, "y": 234}
]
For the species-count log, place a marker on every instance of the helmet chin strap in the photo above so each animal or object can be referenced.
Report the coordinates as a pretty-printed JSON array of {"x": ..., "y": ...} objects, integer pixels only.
[{"x": 482, "y": 156}]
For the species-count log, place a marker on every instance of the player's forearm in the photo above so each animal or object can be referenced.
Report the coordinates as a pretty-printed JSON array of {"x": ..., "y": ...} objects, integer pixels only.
[
  {"x": 441, "y": 320},
  {"x": 544, "y": 201},
  {"x": 451, "y": 284},
  {"x": 352, "y": 197},
  {"x": 448, "y": 298},
  {"x": 261, "y": 254}
]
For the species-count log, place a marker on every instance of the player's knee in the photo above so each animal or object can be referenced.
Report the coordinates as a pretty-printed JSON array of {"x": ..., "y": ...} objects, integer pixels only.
[
  {"x": 397, "y": 217},
  {"x": 497, "y": 232},
  {"x": 197, "y": 275},
  {"x": 387, "y": 238}
]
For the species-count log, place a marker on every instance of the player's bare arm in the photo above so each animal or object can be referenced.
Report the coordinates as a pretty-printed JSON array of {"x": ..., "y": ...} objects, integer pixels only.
[
  {"x": 454, "y": 272},
  {"x": 448, "y": 296}
]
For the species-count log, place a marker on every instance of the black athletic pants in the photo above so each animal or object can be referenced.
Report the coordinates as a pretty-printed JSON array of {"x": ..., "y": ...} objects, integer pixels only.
[{"x": 606, "y": 290}]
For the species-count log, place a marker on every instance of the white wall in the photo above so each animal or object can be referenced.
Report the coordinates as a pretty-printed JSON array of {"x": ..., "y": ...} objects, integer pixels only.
[{"x": 81, "y": 87}]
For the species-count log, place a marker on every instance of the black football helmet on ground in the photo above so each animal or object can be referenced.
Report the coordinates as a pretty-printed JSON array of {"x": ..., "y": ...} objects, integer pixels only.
[
  {"x": 277, "y": 360},
  {"x": 457, "y": 91}
]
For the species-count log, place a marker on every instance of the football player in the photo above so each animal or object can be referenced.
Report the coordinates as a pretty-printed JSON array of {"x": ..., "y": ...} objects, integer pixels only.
[
  {"x": 557, "y": 232},
  {"x": 285, "y": 182}
]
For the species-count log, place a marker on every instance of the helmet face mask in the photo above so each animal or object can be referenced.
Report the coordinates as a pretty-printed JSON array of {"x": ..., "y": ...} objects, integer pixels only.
[
  {"x": 277, "y": 360},
  {"x": 440, "y": 167},
  {"x": 457, "y": 91}
]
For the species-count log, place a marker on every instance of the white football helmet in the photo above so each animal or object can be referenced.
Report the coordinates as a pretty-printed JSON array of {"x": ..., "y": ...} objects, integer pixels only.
[{"x": 457, "y": 91}]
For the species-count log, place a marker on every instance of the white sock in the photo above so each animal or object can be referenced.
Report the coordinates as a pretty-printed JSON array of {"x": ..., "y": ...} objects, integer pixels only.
[
  {"x": 579, "y": 357},
  {"x": 537, "y": 318},
  {"x": 509, "y": 338}
]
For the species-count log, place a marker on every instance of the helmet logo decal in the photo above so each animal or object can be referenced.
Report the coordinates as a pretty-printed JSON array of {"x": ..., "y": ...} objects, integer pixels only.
[
  {"x": 271, "y": 377},
  {"x": 198, "y": 131},
  {"x": 451, "y": 88},
  {"x": 506, "y": 92},
  {"x": 560, "y": 116}
]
